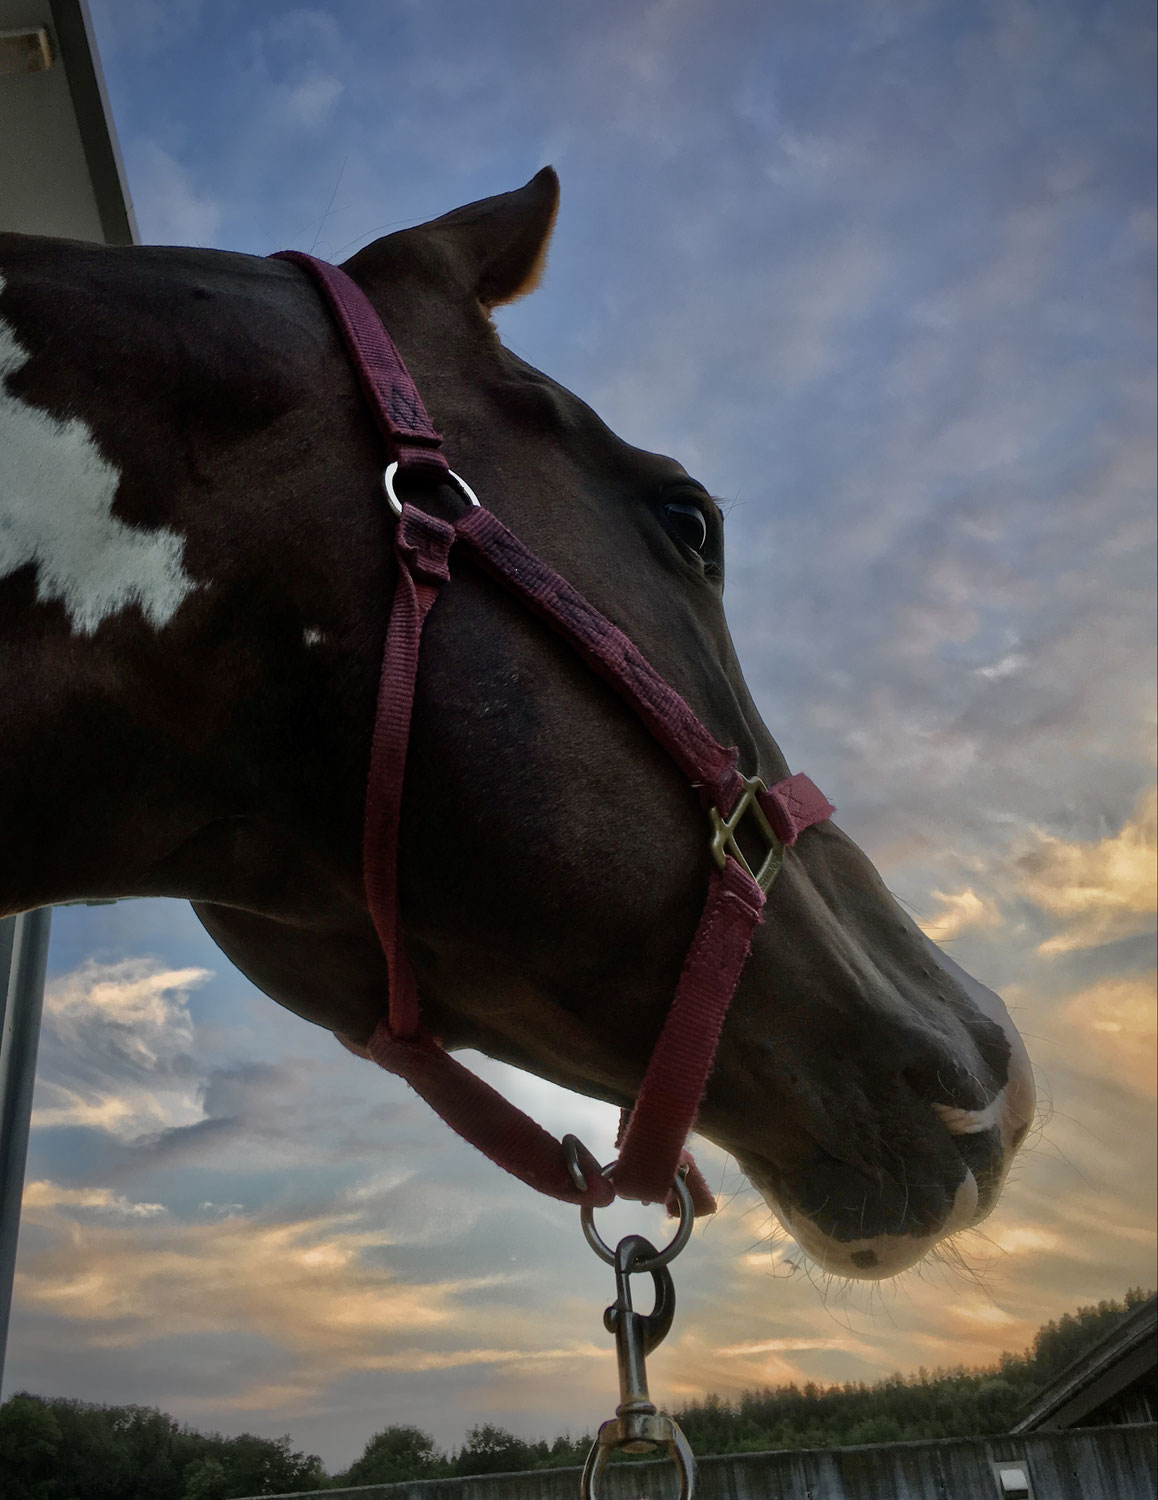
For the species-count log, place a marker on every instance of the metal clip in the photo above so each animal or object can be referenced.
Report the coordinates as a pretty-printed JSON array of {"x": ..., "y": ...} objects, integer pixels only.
[{"x": 637, "y": 1426}]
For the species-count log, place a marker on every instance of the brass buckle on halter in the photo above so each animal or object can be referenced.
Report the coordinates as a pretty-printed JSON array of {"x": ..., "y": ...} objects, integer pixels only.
[{"x": 724, "y": 834}]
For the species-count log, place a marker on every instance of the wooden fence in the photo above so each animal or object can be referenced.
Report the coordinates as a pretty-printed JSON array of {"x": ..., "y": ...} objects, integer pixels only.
[{"x": 1091, "y": 1463}]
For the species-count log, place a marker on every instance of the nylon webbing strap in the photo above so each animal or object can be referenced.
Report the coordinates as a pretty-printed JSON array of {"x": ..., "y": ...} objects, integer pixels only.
[
  {"x": 607, "y": 651},
  {"x": 422, "y": 546},
  {"x": 390, "y": 393},
  {"x": 673, "y": 1087},
  {"x": 654, "y": 1134}
]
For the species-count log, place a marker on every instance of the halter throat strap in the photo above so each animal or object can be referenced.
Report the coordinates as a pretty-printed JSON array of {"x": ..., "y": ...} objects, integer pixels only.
[{"x": 653, "y": 1137}]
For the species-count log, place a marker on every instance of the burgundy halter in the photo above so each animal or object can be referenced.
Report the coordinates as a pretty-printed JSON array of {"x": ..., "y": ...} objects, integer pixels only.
[{"x": 651, "y": 1146}]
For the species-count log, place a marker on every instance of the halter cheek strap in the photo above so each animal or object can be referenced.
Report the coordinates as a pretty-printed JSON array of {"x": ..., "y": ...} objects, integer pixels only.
[{"x": 651, "y": 1145}]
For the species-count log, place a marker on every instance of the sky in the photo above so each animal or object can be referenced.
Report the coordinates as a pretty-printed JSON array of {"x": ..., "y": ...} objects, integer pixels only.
[{"x": 880, "y": 274}]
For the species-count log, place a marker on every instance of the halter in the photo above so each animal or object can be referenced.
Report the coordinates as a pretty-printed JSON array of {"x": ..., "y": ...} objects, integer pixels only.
[{"x": 652, "y": 1138}]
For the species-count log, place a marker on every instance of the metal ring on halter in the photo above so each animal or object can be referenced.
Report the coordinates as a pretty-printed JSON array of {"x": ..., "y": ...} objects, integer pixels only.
[
  {"x": 451, "y": 477},
  {"x": 669, "y": 1251}
]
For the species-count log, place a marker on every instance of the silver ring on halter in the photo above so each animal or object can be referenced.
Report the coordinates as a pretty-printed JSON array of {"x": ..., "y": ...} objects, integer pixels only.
[
  {"x": 460, "y": 485},
  {"x": 670, "y": 1250}
]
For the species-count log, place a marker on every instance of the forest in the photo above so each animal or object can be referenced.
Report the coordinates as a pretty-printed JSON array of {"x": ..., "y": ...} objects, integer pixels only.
[{"x": 54, "y": 1448}]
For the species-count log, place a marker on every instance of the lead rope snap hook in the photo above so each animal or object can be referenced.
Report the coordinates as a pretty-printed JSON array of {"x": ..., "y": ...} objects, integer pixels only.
[{"x": 637, "y": 1426}]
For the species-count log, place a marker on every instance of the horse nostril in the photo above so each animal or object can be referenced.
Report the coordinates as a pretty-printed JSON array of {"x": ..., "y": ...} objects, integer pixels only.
[
  {"x": 946, "y": 1084},
  {"x": 864, "y": 1260}
]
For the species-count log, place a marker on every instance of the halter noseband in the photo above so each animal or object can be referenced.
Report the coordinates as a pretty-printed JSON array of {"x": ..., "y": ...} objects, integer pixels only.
[{"x": 651, "y": 1146}]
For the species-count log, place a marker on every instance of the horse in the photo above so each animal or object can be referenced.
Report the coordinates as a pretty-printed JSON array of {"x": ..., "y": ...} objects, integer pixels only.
[{"x": 195, "y": 580}]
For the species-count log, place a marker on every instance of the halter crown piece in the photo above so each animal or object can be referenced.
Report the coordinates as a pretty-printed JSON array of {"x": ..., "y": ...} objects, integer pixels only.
[{"x": 652, "y": 1139}]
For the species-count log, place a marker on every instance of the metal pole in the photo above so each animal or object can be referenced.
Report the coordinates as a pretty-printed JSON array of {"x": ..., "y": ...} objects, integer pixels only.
[{"x": 23, "y": 959}]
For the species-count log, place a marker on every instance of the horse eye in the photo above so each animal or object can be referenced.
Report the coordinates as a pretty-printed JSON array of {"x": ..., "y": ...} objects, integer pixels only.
[{"x": 687, "y": 524}]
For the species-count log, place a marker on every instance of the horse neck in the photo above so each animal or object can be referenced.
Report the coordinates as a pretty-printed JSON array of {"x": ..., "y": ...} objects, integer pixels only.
[
  {"x": 176, "y": 624},
  {"x": 185, "y": 761},
  {"x": 89, "y": 803}
]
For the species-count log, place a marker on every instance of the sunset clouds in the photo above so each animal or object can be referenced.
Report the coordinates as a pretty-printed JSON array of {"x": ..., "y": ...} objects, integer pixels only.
[
  {"x": 115, "y": 1049},
  {"x": 881, "y": 276},
  {"x": 1098, "y": 891},
  {"x": 1094, "y": 891}
]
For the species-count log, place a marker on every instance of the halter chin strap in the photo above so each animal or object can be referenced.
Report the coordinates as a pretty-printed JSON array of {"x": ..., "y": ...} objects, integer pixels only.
[{"x": 653, "y": 1136}]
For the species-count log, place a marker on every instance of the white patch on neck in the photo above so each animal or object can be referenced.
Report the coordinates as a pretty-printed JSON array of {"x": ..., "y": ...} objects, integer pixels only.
[{"x": 56, "y": 497}]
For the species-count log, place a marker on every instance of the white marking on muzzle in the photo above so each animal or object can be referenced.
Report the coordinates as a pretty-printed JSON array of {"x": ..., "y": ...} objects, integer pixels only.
[
  {"x": 56, "y": 497},
  {"x": 1012, "y": 1108},
  {"x": 973, "y": 1121},
  {"x": 883, "y": 1255}
]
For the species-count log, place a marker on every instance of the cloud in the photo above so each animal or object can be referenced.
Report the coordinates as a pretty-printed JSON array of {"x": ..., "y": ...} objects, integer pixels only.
[
  {"x": 775, "y": 1346},
  {"x": 354, "y": 1305},
  {"x": 249, "y": 1114},
  {"x": 985, "y": 1314},
  {"x": 1114, "y": 1028},
  {"x": 312, "y": 1299},
  {"x": 959, "y": 910},
  {"x": 133, "y": 996},
  {"x": 145, "y": 26},
  {"x": 115, "y": 1051},
  {"x": 1024, "y": 1239},
  {"x": 874, "y": 284},
  {"x": 171, "y": 209},
  {"x": 122, "y": 1058},
  {"x": 302, "y": 1284},
  {"x": 310, "y": 102},
  {"x": 87, "y": 1204},
  {"x": 1102, "y": 890}
]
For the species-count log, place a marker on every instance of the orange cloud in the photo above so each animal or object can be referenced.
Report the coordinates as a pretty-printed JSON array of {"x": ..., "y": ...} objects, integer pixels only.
[
  {"x": 1102, "y": 891},
  {"x": 123, "y": 1274},
  {"x": 959, "y": 910},
  {"x": 99, "y": 1201},
  {"x": 1117, "y": 1022},
  {"x": 302, "y": 1284}
]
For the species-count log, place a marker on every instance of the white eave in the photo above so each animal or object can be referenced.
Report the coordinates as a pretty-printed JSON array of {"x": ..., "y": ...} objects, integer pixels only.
[{"x": 60, "y": 169}]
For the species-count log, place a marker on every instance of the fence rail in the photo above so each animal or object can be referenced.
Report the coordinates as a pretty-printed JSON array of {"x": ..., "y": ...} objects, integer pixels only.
[{"x": 1090, "y": 1463}]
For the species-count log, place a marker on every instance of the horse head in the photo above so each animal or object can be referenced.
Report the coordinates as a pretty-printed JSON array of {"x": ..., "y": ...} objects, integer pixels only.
[{"x": 195, "y": 575}]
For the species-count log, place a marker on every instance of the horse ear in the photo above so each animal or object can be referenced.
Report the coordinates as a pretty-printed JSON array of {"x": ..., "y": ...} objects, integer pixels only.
[{"x": 502, "y": 241}]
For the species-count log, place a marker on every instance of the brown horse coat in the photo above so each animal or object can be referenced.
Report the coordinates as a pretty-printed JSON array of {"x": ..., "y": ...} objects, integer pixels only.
[{"x": 194, "y": 582}]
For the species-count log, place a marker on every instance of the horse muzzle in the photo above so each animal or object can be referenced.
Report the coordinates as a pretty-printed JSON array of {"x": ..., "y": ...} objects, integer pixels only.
[{"x": 913, "y": 1172}]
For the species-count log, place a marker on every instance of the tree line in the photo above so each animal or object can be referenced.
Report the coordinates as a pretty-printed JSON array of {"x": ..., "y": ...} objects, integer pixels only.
[{"x": 52, "y": 1448}]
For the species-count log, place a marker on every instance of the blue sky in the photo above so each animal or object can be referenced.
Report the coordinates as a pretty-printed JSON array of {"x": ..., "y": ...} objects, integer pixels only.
[{"x": 881, "y": 276}]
